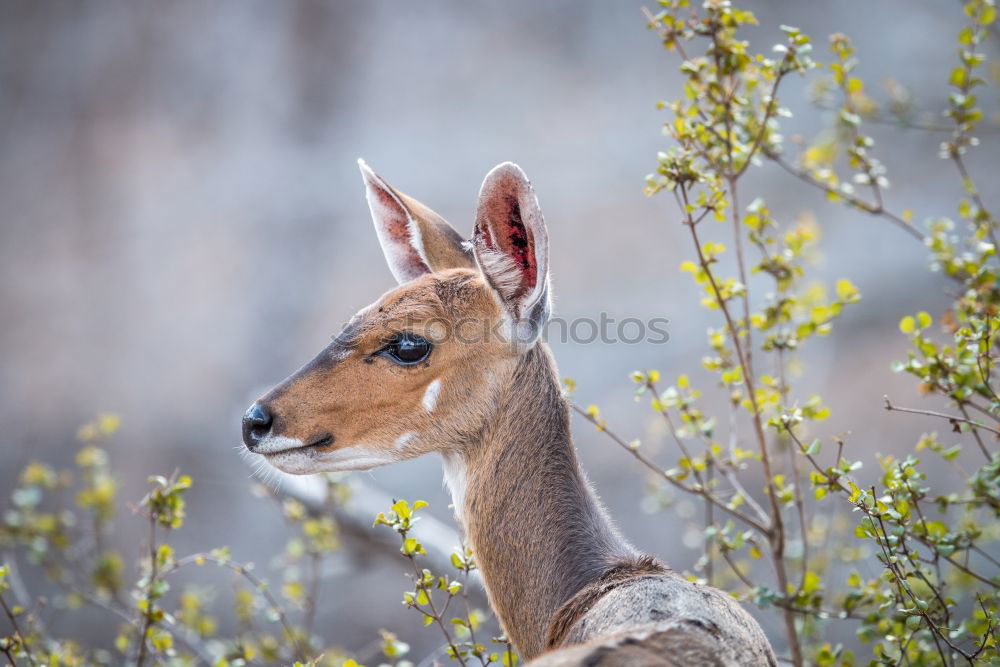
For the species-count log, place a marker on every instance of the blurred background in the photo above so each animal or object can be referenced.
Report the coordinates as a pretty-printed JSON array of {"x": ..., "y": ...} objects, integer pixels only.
[{"x": 184, "y": 225}]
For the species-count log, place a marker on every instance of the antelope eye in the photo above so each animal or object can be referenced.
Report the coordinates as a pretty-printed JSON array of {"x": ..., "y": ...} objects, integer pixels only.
[{"x": 408, "y": 349}]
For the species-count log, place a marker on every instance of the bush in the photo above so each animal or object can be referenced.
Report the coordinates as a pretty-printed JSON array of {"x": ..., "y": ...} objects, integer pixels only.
[
  {"x": 60, "y": 520},
  {"x": 935, "y": 598}
]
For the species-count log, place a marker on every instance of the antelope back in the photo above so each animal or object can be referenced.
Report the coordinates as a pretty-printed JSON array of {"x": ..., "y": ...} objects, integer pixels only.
[{"x": 655, "y": 619}]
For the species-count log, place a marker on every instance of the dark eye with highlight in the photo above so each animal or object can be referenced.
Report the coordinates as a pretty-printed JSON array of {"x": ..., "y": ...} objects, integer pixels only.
[{"x": 408, "y": 349}]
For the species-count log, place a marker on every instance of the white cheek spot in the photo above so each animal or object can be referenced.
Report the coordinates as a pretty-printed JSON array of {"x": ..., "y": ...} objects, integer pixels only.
[
  {"x": 403, "y": 440},
  {"x": 456, "y": 478},
  {"x": 431, "y": 395}
]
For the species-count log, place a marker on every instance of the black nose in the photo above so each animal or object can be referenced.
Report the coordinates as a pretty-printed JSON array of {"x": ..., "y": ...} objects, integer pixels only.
[{"x": 256, "y": 424}]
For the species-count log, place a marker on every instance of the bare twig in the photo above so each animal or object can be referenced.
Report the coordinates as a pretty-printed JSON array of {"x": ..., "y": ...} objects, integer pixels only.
[
  {"x": 244, "y": 570},
  {"x": 660, "y": 472},
  {"x": 355, "y": 517},
  {"x": 951, "y": 418},
  {"x": 9, "y": 613},
  {"x": 150, "y": 583},
  {"x": 860, "y": 204}
]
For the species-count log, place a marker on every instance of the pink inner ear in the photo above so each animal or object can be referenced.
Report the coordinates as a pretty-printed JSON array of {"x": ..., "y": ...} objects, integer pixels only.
[
  {"x": 513, "y": 238},
  {"x": 393, "y": 226},
  {"x": 394, "y": 220}
]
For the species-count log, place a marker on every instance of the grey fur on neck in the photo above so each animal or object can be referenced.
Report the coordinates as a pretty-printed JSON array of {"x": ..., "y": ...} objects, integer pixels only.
[{"x": 537, "y": 528}]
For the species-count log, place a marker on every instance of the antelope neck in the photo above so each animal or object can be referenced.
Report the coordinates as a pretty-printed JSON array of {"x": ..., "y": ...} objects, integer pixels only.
[{"x": 538, "y": 530}]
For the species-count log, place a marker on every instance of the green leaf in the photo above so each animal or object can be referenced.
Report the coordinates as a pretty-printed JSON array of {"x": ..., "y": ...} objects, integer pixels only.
[
  {"x": 811, "y": 582},
  {"x": 846, "y": 291},
  {"x": 402, "y": 509}
]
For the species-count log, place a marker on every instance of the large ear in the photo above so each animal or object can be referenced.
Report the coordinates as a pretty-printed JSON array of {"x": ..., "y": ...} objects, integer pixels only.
[
  {"x": 511, "y": 246},
  {"x": 414, "y": 239}
]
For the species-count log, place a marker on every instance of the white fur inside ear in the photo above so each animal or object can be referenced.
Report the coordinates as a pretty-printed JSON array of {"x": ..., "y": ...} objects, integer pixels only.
[
  {"x": 431, "y": 395},
  {"x": 507, "y": 218},
  {"x": 503, "y": 272},
  {"x": 406, "y": 257}
]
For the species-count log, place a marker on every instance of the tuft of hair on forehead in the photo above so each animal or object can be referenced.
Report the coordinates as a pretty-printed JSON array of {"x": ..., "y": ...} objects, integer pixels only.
[
  {"x": 350, "y": 335},
  {"x": 440, "y": 295},
  {"x": 457, "y": 287}
]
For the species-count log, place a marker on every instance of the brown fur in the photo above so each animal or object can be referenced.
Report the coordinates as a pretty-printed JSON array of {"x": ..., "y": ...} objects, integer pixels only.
[
  {"x": 558, "y": 574},
  {"x": 349, "y": 392}
]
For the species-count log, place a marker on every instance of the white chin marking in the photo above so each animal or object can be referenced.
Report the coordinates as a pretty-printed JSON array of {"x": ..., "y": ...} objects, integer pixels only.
[
  {"x": 347, "y": 459},
  {"x": 296, "y": 462},
  {"x": 455, "y": 478},
  {"x": 431, "y": 395},
  {"x": 273, "y": 444}
]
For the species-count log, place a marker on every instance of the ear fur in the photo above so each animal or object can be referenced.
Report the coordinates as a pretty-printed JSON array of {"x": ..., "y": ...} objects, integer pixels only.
[
  {"x": 415, "y": 240},
  {"x": 511, "y": 246}
]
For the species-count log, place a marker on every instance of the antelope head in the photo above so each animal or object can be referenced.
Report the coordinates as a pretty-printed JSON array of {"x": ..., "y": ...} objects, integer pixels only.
[{"x": 422, "y": 368}]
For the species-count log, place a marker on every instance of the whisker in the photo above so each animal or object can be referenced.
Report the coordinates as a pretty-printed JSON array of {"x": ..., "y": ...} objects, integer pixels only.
[{"x": 255, "y": 469}]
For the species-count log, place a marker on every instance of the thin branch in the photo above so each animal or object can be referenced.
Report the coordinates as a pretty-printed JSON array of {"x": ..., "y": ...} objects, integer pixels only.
[
  {"x": 784, "y": 603},
  {"x": 18, "y": 588},
  {"x": 777, "y": 528},
  {"x": 975, "y": 433},
  {"x": 922, "y": 123},
  {"x": 738, "y": 486},
  {"x": 899, "y": 578},
  {"x": 990, "y": 627},
  {"x": 434, "y": 614},
  {"x": 17, "y": 631},
  {"x": 776, "y": 536},
  {"x": 904, "y": 585},
  {"x": 872, "y": 209},
  {"x": 951, "y": 418},
  {"x": 259, "y": 585},
  {"x": 660, "y": 472},
  {"x": 147, "y": 616}
]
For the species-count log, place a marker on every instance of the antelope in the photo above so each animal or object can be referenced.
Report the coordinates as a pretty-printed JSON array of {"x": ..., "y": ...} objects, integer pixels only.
[{"x": 452, "y": 361}]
